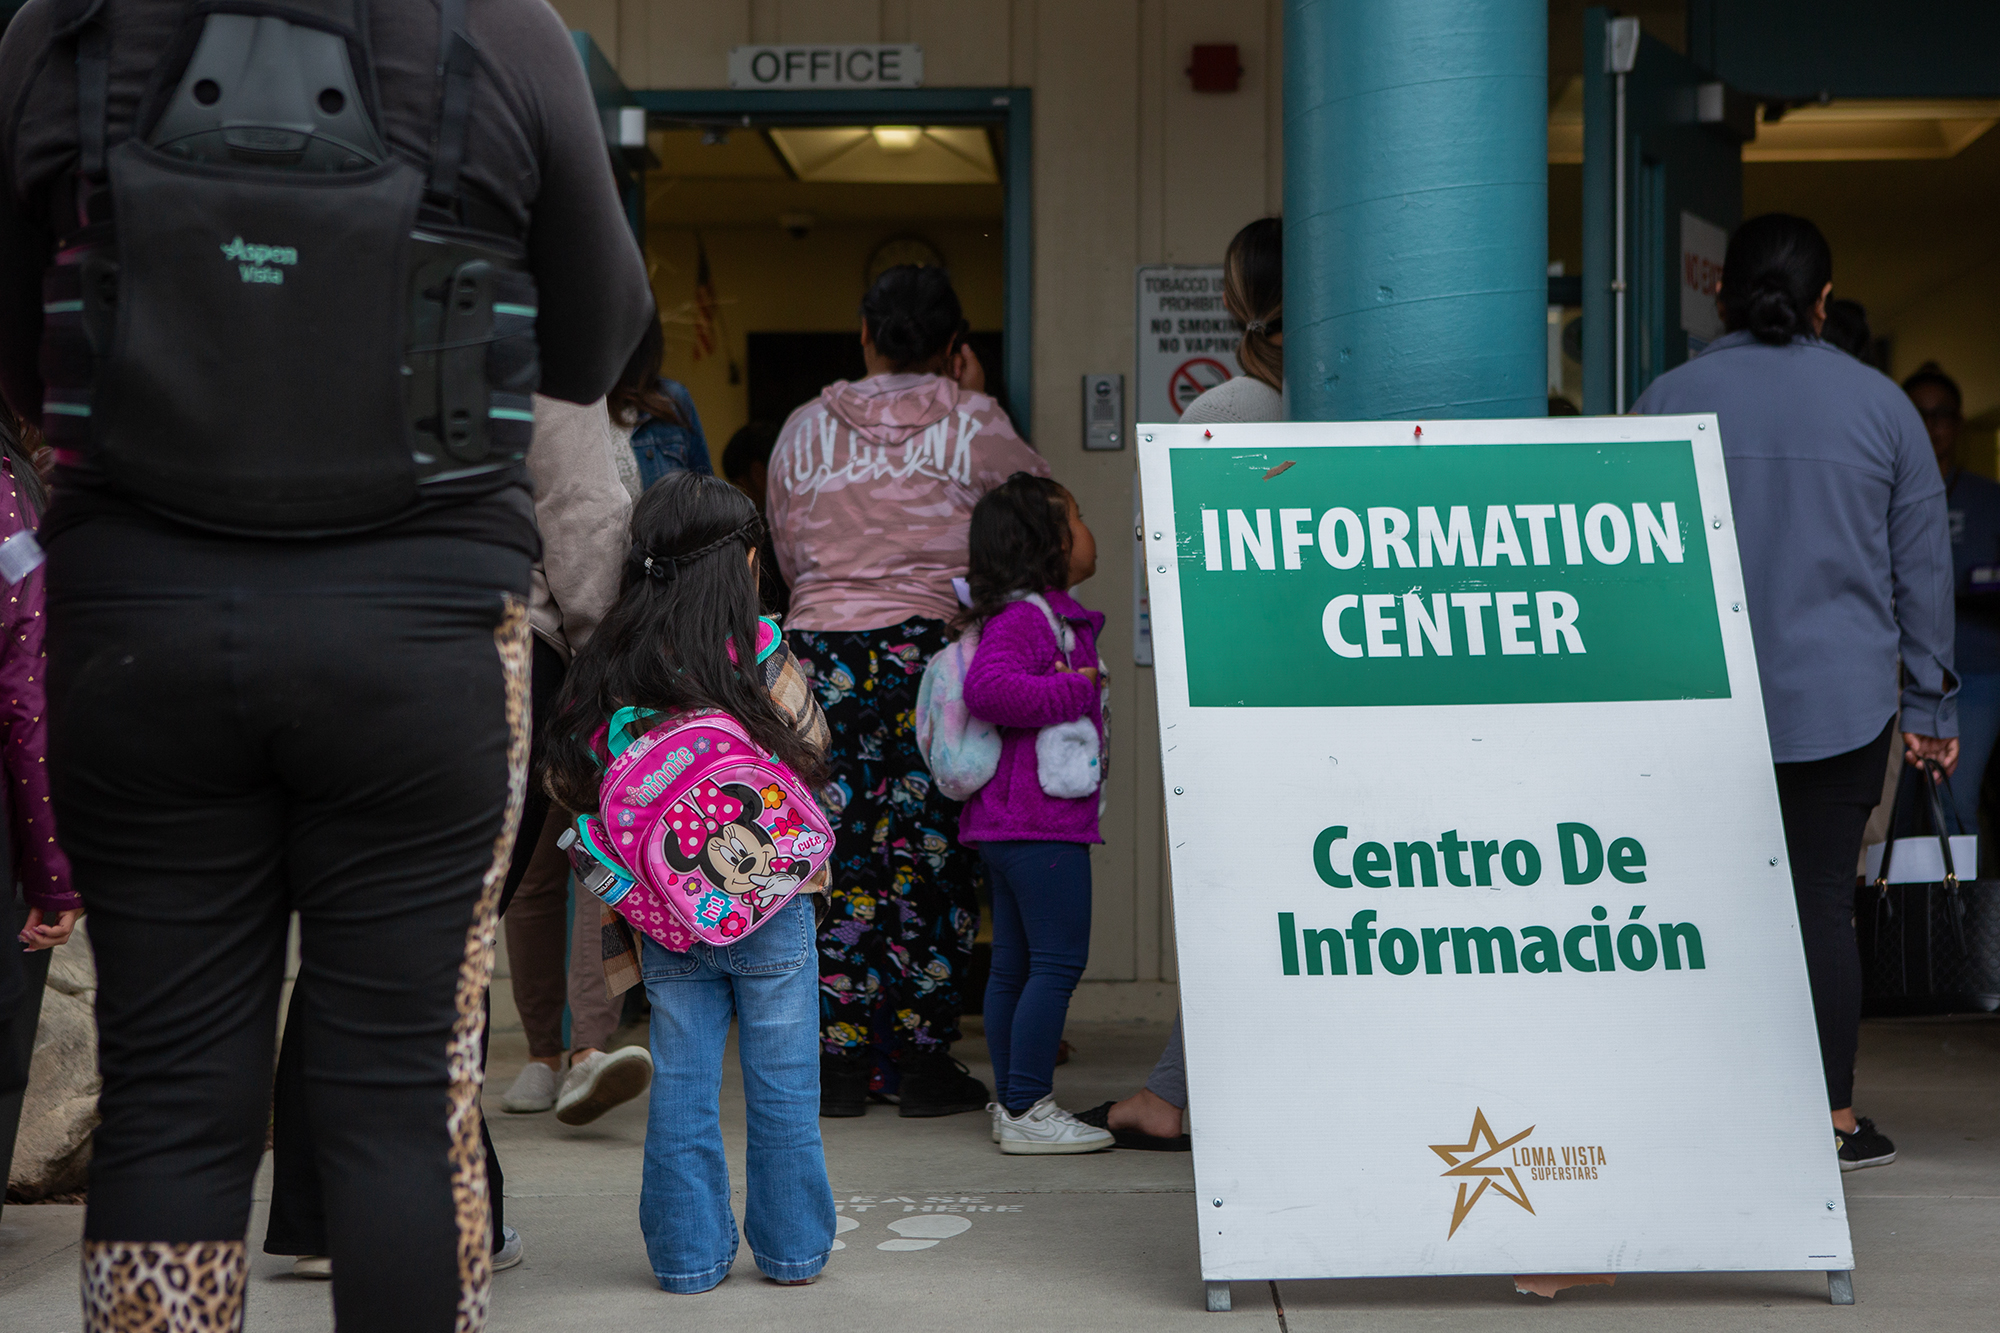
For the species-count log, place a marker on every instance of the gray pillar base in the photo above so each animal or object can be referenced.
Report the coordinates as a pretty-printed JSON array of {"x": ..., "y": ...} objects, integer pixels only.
[
  {"x": 1840, "y": 1287},
  {"x": 1218, "y": 1295}
]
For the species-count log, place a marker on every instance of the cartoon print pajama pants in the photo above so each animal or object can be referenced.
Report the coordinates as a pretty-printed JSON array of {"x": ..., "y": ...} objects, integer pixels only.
[{"x": 896, "y": 944}]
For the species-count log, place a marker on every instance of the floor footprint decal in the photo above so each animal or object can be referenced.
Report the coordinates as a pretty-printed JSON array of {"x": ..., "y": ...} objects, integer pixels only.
[
  {"x": 923, "y": 1231},
  {"x": 841, "y": 1226}
]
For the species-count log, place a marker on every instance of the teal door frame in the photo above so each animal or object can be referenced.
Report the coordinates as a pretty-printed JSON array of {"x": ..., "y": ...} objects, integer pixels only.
[{"x": 1011, "y": 109}]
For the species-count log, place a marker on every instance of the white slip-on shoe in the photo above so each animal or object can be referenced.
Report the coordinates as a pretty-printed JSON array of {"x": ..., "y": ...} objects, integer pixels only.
[
  {"x": 534, "y": 1089},
  {"x": 509, "y": 1253},
  {"x": 601, "y": 1081},
  {"x": 1047, "y": 1128},
  {"x": 313, "y": 1266}
]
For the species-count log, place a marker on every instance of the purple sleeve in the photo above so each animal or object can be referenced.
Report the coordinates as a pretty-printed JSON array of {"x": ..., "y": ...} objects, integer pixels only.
[
  {"x": 43, "y": 868},
  {"x": 1013, "y": 681}
]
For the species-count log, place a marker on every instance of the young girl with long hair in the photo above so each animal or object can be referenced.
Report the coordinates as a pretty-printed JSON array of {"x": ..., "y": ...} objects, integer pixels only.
[
  {"x": 1036, "y": 668},
  {"x": 683, "y": 636}
]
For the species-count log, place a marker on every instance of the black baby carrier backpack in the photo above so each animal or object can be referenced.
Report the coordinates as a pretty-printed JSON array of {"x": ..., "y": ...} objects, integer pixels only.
[{"x": 260, "y": 320}]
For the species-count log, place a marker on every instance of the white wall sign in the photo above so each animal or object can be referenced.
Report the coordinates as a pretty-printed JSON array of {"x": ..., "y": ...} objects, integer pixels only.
[
  {"x": 877, "y": 65},
  {"x": 1186, "y": 341},
  {"x": 1477, "y": 863},
  {"x": 1703, "y": 245}
]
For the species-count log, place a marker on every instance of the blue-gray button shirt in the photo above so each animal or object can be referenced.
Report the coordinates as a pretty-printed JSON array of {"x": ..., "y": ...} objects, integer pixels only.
[{"x": 1840, "y": 519}]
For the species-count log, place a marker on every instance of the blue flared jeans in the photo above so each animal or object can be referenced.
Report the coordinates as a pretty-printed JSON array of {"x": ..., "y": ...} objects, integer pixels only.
[{"x": 770, "y": 984}]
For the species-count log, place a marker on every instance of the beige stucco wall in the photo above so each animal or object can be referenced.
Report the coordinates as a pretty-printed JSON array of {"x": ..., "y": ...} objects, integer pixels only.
[{"x": 1130, "y": 167}]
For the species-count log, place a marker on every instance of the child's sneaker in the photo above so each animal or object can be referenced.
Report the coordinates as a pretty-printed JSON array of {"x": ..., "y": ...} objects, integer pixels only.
[{"x": 1047, "y": 1128}]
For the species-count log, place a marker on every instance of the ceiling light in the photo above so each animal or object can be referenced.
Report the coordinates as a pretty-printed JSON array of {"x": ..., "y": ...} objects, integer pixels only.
[{"x": 898, "y": 138}]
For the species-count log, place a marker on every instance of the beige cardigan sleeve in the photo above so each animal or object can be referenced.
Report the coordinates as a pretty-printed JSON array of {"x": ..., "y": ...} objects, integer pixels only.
[{"x": 584, "y": 514}]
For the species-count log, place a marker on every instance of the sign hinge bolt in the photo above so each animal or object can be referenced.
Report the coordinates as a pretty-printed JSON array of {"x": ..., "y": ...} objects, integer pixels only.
[
  {"x": 1159, "y": 569},
  {"x": 1829, "y": 1205},
  {"x": 1156, "y": 536},
  {"x": 1736, "y": 606},
  {"x": 1774, "y": 860},
  {"x": 1716, "y": 524},
  {"x": 1218, "y": 1203},
  {"x": 1177, "y": 792}
]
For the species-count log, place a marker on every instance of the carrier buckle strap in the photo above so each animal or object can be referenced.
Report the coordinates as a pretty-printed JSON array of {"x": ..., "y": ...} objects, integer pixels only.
[
  {"x": 456, "y": 59},
  {"x": 93, "y": 96}
]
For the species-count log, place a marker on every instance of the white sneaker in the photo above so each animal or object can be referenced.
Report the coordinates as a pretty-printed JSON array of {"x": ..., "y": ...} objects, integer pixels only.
[
  {"x": 601, "y": 1081},
  {"x": 1047, "y": 1128},
  {"x": 993, "y": 1109},
  {"x": 509, "y": 1253},
  {"x": 317, "y": 1266},
  {"x": 534, "y": 1090}
]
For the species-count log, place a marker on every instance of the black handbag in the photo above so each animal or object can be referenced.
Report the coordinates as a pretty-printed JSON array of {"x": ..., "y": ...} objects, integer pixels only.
[{"x": 1927, "y": 948}]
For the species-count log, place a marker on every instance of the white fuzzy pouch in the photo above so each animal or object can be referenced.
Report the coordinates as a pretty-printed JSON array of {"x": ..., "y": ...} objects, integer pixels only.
[
  {"x": 1068, "y": 756},
  {"x": 1066, "y": 759}
]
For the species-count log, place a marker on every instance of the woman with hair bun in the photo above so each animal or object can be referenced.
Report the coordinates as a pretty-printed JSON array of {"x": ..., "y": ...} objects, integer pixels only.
[
  {"x": 870, "y": 496},
  {"x": 1840, "y": 520}
]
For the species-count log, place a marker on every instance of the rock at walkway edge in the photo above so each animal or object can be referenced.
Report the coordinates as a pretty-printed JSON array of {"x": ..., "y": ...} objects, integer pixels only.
[{"x": 52, "y": 1151}]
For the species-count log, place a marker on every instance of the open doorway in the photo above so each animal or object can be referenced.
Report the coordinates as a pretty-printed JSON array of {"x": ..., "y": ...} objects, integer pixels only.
[{"x": 767, "y": 217}]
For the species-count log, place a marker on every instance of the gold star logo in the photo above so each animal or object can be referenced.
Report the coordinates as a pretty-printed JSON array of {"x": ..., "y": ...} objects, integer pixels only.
[{"x": 1462, "y": 1163}]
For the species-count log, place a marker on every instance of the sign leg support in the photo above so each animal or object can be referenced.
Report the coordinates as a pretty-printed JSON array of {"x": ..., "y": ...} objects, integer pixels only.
[
  {"x": 1839, "y": 1287},
  {"x": 1218, "y": 1295}
]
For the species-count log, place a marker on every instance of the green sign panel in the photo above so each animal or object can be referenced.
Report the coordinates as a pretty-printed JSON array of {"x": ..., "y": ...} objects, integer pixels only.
[{"x": 1445, "y": 574}]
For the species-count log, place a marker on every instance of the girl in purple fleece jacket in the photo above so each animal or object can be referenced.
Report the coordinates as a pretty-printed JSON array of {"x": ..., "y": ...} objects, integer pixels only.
[{"x": 1029, "y": 545}]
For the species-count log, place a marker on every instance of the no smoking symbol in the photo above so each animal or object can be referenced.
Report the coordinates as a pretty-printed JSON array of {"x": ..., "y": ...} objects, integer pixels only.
[{"x": 1193, "y": 378}]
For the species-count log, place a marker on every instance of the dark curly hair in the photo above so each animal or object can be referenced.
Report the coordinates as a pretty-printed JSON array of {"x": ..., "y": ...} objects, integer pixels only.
[
  {"x": 1775, "y": 269},
  {"x": 913, "y": 317},
  {"x": 1020, "y": 544},
  {"x": 687, "y": 593}
]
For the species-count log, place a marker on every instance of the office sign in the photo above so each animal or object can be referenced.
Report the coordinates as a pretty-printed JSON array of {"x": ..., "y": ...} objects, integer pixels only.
[
  {"x": 819, "y": 68},
  {"x": 1476, "y": 852}
]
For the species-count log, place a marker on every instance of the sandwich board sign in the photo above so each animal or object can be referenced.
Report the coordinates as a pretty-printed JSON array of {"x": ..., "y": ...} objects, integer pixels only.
[{"x": 1479, "y": 877}]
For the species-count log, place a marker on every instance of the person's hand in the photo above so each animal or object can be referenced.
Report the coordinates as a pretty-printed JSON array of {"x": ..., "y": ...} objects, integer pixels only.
[
  {"x": 38, "y": 936},
  {"x": 1943, "y": 750},
  {"x": 965, "y": 368}
]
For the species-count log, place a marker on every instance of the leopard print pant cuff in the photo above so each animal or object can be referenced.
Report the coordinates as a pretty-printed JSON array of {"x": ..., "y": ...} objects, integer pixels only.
[{"x": 155, "y": 1287}]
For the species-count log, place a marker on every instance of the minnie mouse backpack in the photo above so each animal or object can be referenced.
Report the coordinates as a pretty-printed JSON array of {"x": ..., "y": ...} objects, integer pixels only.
[{"x": 701, "y": 834}]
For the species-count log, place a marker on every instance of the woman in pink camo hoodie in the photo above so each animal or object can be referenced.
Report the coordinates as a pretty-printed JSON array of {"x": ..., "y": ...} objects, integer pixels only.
[{"x": 870, "y": 502}]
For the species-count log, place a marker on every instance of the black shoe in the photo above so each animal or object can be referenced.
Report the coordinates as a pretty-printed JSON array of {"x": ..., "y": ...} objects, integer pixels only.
[
  {"x": 1866, "y": 1146},
  {"x": 935, "y": 1084},
  {"x": 1099, "y": 1117},
  {"x": 843, "y": 1084}
]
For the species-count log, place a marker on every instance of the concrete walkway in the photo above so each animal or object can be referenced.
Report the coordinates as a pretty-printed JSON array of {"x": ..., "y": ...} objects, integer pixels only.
[{"x": 943, "y": 1232}]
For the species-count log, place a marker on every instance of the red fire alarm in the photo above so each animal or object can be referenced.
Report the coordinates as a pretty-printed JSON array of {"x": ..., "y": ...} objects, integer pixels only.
[{"x": 1215, "y": 69}]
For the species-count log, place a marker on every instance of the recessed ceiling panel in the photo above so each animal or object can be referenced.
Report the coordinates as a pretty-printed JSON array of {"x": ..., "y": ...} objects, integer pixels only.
[{"x": 889, "y": 154}]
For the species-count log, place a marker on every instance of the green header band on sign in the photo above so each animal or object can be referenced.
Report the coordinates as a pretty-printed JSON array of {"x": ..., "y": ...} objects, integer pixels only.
[{"x": 1331, "y": 576}]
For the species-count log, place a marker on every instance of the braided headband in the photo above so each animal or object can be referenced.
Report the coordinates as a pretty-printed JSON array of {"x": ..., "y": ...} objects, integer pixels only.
[{"x": 666, "y": 568}]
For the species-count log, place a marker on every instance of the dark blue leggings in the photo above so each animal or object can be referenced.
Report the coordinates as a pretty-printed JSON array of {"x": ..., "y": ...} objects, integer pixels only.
[{"x": 1041, "y": 940}]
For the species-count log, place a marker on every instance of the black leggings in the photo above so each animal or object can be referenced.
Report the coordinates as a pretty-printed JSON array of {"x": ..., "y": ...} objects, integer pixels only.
[
  {"x": 1825, "y": 803},
  {"x": 240, "y": 730},
  {"x": 297, "y": 1221}
]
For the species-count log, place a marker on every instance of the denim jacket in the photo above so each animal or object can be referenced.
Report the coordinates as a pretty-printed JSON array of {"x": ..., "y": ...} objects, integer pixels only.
[{"x": 662, "y": 447}]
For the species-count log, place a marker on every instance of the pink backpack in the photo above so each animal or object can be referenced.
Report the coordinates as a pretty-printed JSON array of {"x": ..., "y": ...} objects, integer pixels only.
[{"x": 701, "y": 834}]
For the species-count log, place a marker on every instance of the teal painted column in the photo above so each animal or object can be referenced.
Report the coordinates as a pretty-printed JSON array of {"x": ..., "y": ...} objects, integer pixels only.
[{"x": 1416, "y": 208}]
